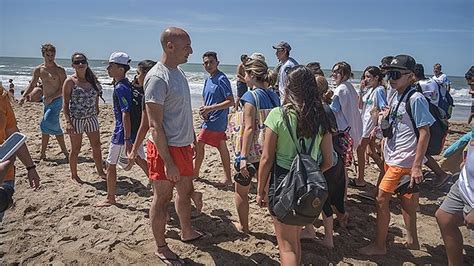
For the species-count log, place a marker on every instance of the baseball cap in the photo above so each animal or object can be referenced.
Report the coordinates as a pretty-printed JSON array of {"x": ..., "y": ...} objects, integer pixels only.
[
  {"x": 282, "y": 45},
  {"x": 119, "y": 58},
  {"x": 419, "y": 71},
  {"x": 402, "y": 61}
]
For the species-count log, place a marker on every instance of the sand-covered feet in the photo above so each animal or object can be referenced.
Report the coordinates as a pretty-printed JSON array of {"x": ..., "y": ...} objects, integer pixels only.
[
  {"x": 239, "y": 228},
  {"x": 105, "y": 203},
  {"x": 168, "y": 257}
]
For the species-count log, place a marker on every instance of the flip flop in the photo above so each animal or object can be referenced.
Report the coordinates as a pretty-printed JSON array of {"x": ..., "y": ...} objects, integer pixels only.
[
  {"x": 171, "y": 261},
  {"x": 353, "y": 183},
  {"x": 200, "y": 236}
]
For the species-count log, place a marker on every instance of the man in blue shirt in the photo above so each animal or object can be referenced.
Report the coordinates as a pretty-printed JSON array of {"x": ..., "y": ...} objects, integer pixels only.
[
  {"x": 217, "y": 96},
  {"x": 122, "y": 138}
]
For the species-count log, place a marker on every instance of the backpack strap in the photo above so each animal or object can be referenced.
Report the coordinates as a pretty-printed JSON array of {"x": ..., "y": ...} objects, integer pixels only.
[
  {"x": 290, "y": 129},
  {"x": 409, "y": 112}
]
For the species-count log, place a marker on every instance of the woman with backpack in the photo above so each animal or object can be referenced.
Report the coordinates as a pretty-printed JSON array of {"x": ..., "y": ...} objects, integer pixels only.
[
  {"x": 309, "y": 123},
  {"x": 81, "y": 93},
  {"x": 255, "y": 102}
]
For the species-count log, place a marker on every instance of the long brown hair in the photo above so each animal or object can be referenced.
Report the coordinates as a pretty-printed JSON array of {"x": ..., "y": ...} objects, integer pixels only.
[
  {"x": 301, "y": 95},
  {"x": 90, "y": 76}
]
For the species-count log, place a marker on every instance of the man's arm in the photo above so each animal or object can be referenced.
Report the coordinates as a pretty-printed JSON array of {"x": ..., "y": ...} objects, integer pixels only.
[
  {"x": 32, "y": 85},
  {"x": 155, "y": 120}
]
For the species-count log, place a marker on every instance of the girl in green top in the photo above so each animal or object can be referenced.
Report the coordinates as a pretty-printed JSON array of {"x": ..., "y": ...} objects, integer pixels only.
[{"x": 307, "y": 117}]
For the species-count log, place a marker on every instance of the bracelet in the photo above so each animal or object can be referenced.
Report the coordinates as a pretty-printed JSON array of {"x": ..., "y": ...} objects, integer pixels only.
[
  {"x": 127, "y": 139},
  {"x": 243, "y": 158},
  {"x": 30, "y": 167}
]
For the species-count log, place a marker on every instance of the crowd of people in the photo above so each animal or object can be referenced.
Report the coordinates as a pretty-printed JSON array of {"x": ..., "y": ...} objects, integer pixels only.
[{"x": 276, "y": 114}]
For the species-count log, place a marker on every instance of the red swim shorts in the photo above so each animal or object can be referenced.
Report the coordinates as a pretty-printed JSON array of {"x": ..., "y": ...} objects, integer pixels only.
[
  {"x": 211, "y": 137},
  {"x": 182, "y": 158}
]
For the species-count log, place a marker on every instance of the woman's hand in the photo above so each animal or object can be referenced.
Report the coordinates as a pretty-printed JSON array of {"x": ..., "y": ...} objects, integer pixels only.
[
  {"x": 262, "y": 199},
  {"x": 243, "y": 168}
]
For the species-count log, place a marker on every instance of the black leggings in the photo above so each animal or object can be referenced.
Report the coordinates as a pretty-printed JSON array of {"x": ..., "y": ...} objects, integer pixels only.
[{"x": 335, "y": 178}]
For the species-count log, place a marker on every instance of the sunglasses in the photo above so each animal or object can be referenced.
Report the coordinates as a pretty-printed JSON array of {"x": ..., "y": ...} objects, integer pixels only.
[
  {"x": 394, "y": 74},
  {"x": 77, "y": 62}
]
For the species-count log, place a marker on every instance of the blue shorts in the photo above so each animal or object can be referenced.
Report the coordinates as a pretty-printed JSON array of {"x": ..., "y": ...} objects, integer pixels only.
[{"x": 50, "y": 124}]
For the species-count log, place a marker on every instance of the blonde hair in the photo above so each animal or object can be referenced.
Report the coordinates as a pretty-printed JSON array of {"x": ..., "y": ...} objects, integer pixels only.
[
  {"x": 258, "y": 68},
  {"x": 272, "y": 77}
]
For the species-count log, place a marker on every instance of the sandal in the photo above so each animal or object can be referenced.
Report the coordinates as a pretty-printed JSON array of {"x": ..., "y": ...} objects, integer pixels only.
[{"x": 353, "y": 183}]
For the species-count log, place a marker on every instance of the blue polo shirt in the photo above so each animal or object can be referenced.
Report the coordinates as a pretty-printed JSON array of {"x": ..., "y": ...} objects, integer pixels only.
[
  {"x": 122, "y": 98},
  {"x": 216, "y": 90}
]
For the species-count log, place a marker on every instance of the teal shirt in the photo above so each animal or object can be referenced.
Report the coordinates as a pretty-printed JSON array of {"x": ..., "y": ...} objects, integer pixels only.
[{"x": 285, "y": 149}]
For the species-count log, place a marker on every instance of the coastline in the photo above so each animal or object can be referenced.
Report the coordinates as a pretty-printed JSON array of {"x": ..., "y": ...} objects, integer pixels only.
[{"x": 59, "y": 224}]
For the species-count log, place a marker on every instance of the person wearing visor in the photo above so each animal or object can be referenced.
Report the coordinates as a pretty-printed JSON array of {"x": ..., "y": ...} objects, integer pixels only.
[{"x": 404, "y": 155}]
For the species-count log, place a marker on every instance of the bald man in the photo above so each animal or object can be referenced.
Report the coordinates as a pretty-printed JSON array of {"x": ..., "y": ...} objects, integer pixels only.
[{"x": 169, "y": 150}]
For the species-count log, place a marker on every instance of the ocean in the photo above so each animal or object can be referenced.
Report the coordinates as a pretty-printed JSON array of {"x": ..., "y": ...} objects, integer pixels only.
[{"x": 20, "y": 69}]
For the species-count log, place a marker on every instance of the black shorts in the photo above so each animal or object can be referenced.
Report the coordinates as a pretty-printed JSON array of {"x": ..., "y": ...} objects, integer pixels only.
[{"x": 241, "y": 88}]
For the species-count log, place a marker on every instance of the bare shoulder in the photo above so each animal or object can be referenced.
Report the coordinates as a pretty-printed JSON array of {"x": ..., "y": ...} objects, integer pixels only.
[{"x": 60, "y": 69}]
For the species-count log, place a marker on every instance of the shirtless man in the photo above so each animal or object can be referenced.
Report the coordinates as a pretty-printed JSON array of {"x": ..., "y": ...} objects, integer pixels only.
[
  {"x": 52, "y": 77},
  {"x": 241, "y": 85}
]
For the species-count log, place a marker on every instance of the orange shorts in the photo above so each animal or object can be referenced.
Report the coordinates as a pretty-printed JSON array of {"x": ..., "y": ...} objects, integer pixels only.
[
  {"x": 182, "y": 158},
  {"x": 392, "y": 177},
  {"x": 211, "y": 137}
]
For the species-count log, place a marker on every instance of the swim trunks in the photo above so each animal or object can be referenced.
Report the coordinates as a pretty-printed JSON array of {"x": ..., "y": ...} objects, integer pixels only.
[{"x": 50, "y": 124}]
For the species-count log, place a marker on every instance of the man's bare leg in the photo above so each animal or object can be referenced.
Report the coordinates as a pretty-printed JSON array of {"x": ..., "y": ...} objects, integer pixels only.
[
  {"x": 200, "y": 152},
  {"x": 44, "y": 145},
  {"x": 62, "y": 144},
  {"x": 225, "y": 158},
  {"x": 162, "y": 195},
  {"x": 379, "y": 246},
  {"x": 449, "y": 226},
  {"x": 441, "y": 175},
  {"x": 328, "y": 240},
  {"x": 184, "y": 188},
  {"x": 409, "y": 207},
  {"x": 143, "y": 164},
  {"x": 111, "y": 186}
]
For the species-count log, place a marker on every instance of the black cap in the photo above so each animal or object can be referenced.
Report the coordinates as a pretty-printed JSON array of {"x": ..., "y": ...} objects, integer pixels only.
[
  {"x": 419, "y": 71},
  {"x": 402, "y": 61}
]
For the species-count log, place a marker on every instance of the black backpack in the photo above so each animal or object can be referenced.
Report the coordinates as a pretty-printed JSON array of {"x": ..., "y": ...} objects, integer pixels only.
[
  {"x": 136, "y": 109},
  {"x": 299, "y": 198},
  {"x": 438, "y": 130}
]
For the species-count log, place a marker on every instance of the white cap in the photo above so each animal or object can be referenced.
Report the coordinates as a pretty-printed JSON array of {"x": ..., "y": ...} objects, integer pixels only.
[
  {"x": 257, "y": 56},
  {"x": 120, "y": 58}
]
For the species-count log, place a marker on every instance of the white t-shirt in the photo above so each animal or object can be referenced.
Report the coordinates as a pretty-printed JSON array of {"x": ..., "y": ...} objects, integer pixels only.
[
  {"x": 466, "y": 177},
  {"x": 400, "y": 150},
  {"x": 373, "y": 100},
  {"x": 169, "y": 87},
  {"x": 430, "y": 90},
  {"x": 346, "y": 109},
  {"x": 282, "y": 74},
  {"x": 444, "y": 82}
]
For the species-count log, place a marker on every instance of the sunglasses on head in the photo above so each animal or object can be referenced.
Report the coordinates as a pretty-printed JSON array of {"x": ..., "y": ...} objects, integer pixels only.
[
  {"x": 395, "y": 74},
  {"x": 77, "y": 62}
]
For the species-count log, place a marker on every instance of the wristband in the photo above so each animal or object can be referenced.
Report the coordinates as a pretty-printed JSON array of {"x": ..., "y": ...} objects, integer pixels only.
[
  {"x": 30, "y": 167},
  {"x": 243, "y": 158}
]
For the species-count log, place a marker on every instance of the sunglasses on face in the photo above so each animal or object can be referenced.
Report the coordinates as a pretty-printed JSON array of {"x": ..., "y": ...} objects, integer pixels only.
[
  {"x": 77, "y": 62},
  {"x": 394, "y": 74}
]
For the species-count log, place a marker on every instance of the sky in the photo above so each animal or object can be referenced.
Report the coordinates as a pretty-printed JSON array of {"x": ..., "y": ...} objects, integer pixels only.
[{"x": 358, "y": 32}]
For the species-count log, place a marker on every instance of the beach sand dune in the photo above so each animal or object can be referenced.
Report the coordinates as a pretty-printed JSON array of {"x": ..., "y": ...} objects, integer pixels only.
[{"x": 59, "y": 223}]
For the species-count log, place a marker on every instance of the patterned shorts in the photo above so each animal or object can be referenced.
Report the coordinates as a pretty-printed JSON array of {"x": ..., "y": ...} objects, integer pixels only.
[{"x": 85, "y": 125}]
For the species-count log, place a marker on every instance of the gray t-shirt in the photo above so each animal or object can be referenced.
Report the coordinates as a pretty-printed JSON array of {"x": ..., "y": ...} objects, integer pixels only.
[{"x": 169, "y": 87}]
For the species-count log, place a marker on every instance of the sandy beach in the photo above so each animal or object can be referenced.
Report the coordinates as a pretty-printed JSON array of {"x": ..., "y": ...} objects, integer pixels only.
[{"x": 59, "y": 224}]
